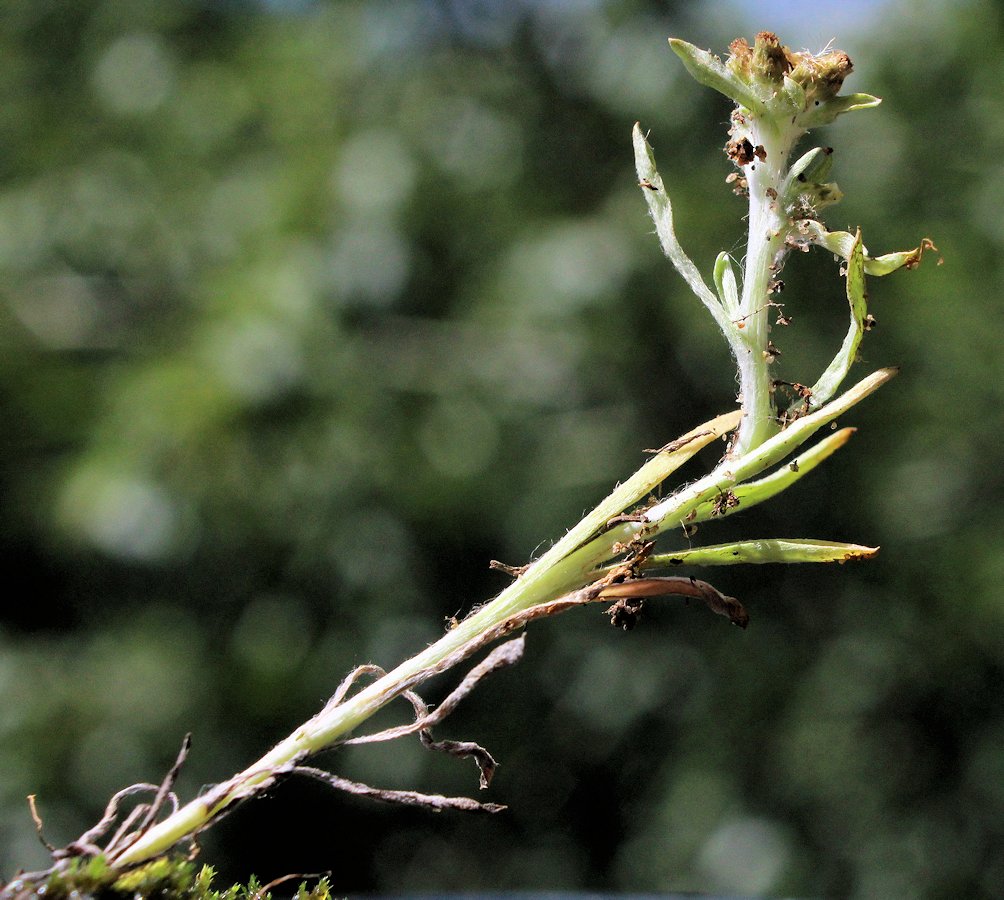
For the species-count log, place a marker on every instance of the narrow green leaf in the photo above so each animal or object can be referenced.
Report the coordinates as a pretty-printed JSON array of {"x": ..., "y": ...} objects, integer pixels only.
[
  {"x": 662, "y": 214},
  {"x": 768, "y": 550},
  {"x": 799, "y": 431},
  {"x": 710, "y": 71},
  {"x": 807, "y": 171},
  {"x": 902, "y": 259},
  {"x": 725, "y": 284},
  {"x": 837, "y": 242},
  {"x": 827, "y": 111},
  {"x": 638, "y": 486},
  {"x": 857, "y": 299},
  {"x": 672, "y": 511},
  {"x": 841, "y": 243},
  {"x": 753, "y": 493}
]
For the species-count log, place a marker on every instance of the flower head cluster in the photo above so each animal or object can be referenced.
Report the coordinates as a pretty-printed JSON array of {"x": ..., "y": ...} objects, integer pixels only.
[
  {"x": 780, "y": 94},
  {"x": 768, "y": 63}
]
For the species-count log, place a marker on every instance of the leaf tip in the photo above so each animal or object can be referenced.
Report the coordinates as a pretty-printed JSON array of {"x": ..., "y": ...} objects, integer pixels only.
[{"x": 859, "y": 553}]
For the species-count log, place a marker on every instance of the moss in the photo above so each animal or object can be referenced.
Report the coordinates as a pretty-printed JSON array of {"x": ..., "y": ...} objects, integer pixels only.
[{"x": 165, "y": 878}]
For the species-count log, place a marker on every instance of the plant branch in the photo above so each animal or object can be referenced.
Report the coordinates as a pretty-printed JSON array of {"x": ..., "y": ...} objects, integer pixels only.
[
  {"x": 780, "y": 95},
  {"x": 568, "y": 565}
]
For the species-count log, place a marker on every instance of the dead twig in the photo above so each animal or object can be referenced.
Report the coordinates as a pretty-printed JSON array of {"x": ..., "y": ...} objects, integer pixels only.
[
  {"x": 435, "y": 802},
  {"x": 37, "y": 819},
  {"x": 678, "y": 444},
  {"x": 165, "y": 789},
  {"x": 505, "y": 655},
  {"x": 87, "y": 843},
  {"x": 681, "y": 586},
  {"x": 463, "y": 750},
  {"x": 514, "y": 571},
  {"x": 349, "y": 680},
  {"x": 501, "y": 657},
  {"x": 125, "y": 836}
]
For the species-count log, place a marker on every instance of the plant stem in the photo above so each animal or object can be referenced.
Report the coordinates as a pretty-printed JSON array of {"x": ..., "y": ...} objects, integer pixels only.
[
  {"x": 562, "y": 569},
  {"x": 779, "y": 95},
  {"x": 765, "y": 245},
  {"x": 571, "y": 563}
]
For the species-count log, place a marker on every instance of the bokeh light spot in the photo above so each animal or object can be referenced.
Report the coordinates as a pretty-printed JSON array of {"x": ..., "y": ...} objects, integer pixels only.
[{"x": 135, "y": 74}]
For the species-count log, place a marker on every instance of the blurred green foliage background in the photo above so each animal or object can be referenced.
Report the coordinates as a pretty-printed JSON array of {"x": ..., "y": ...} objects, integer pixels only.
[{"x": 310, "y": 309}]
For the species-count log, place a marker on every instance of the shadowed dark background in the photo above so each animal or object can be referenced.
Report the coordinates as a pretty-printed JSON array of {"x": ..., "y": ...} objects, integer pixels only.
[{"x": 311, "y": 309}]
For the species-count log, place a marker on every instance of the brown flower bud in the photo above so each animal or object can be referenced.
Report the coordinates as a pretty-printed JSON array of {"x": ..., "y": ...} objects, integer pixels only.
[
  {"x": 740, "y": 58},
  {"x": 771, "y": 61},
  {"x": 821, "y": 76}
]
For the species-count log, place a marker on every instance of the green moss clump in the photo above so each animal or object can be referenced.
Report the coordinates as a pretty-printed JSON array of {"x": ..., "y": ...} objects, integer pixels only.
[{"x": 165, "y": 878}]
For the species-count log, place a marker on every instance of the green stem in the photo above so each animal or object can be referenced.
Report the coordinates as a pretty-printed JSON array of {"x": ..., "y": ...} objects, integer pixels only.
[
  {"x": 768, "y": 228},
  {"x": 571, "y": 563},
  {"x": 560, "y": 570}
]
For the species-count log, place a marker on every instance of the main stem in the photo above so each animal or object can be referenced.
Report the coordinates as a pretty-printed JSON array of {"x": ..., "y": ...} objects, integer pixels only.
[
  {"x": 336, "y": 722},
  {"x": 569, "y": 564},
  {"x": 765, "y": 247}
]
